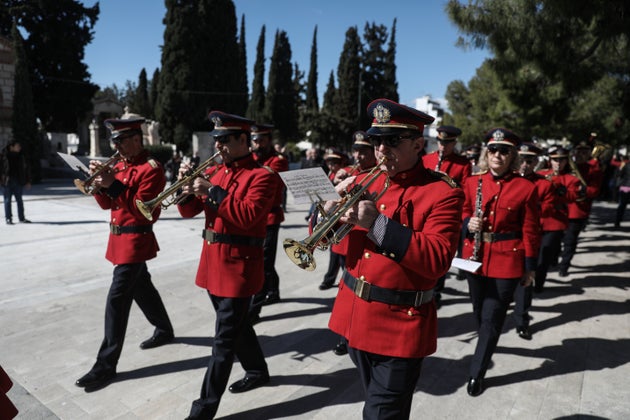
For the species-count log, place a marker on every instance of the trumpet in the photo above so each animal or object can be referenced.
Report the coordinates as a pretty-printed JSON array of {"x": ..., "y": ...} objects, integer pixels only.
[
  {"x": 85, "y": 185},
  {"x": 169, "y": 196},
  {"x": 301, "y": 252}
]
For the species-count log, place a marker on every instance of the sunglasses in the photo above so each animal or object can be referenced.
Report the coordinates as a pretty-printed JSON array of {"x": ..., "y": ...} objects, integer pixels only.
[
  {"x": 502, "y": 150},
  {"x": 557, "y": 159},
  {"x": 528, "y": 161},
  {"x": 388, "y": 141},
  {"x": 119, "y": 140},
  {"x": 222, "y": 139}
]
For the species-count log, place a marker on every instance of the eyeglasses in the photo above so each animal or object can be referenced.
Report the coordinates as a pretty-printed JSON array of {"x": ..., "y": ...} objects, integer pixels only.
[
  {"x": 388, "y": 141},
  {"x": 557, "y": 159},
  {"x": 528, "y": 161},
  {"x": 502, "y": 150}
]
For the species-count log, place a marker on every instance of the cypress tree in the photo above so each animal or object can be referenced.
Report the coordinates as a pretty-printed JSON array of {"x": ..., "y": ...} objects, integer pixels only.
[
  {"x": 256, "y": 108},
  {"x": 281, "y": 98},
  {"x": 243, "y": 97},
  {"x": 140, "y": 99},
  {"x": 153, "y": 92},
  {"x": 374, "y": 85},
  {"x": 390, "y": 88},
  {"x": 24, "y": 124},
  {"x": 312, "y": 102},
  {"x": 346, "y": 108}
]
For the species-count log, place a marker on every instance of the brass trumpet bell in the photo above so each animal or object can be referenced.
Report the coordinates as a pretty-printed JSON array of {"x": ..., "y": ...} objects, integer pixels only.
[{"x": 300, "y": 254}]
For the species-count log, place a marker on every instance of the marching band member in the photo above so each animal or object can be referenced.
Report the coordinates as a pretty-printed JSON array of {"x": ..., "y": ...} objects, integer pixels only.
[
  {"x": 136, "y": 176},
  {"x": 508, "y": 240},
  {"x": 579, "y": 210},
  {"x": 402, "y": 244},
  {"x": 265, "y": 153},
  {"x": 458, "y": 167},
  {"x": 235, "y": 200}
]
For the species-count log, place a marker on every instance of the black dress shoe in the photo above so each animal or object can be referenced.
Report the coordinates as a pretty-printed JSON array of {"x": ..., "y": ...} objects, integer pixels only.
[
  {"x": 95, "y": 378},
  {"x": 562, "y": 272},
  {"x": 340, "y": 349},
  {"x": 25, "y": 221},
  {"x": 248, "y": 383},
  {"x": 271, "y": 298},
  {"x": 475, "y": 386},
  {"x": 157, "y": 340},
  {"x": 9, "y": 222},
  {"x": 326, "y": 286},
  {"x": 524, "y": 333}
]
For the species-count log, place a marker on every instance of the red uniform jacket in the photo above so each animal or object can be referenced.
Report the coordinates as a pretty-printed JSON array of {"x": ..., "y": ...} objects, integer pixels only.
[
  {"x": 510, "y": 206},
  {"x": 140, "y": 179},
  {"x": 421, "y": 238},
  {"x": 566, "y": 189},
  {"x": 547, "y": 198},
  {"x": 455, "y": 166},
  {"x": 593, "y": 176},
  {"x": 278, "y": 163},
  {"x": 238, "y": 204}
]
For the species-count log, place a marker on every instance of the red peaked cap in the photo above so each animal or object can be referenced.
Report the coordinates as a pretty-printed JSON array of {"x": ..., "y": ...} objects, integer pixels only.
[
  {"x": 119, "y": 127},
  {"x": 529, "y": 149},
  {"x": 259, "y": 130},
  {"x": 225, "y": 124},
  {"x": 393, "y": 118}
]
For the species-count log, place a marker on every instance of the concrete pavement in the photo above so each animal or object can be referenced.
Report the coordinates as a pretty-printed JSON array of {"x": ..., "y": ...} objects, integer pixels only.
[{"x": 55, "y": 280}]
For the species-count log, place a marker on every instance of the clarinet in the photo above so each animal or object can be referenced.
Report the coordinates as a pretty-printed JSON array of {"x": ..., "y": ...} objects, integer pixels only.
[
  {"x": 439, "y": 162},
  {"x": 479, "y": 214}
]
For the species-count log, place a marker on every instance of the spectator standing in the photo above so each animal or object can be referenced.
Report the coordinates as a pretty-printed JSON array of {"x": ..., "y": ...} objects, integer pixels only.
[{"x": 15, "y": 176}]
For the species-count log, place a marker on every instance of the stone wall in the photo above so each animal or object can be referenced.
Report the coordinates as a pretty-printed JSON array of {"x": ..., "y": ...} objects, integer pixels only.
[{"x": 7, "y": 89}]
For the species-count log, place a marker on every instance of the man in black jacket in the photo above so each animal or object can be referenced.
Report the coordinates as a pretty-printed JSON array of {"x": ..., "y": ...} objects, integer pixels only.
[{"x": 14, "y": 176}]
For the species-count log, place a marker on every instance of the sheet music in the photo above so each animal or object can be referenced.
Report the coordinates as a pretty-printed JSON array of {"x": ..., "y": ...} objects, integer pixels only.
[
  {"x": 74, "y": 163},
  {"x": 309, "y": 185},
  {"x": 466, "y": 265}
]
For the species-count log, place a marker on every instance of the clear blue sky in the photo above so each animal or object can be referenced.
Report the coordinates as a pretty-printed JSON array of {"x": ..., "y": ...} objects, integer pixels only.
[{"x": 129, "y": 33}]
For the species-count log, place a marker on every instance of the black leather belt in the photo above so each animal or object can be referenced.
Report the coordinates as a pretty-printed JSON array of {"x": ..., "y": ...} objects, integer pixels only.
[
  {"x": 213, "y": 237},
  {"x": 368, "y": 292},
  {"x": 497, "y": 237},
  {"x": 119, "y": 230}
]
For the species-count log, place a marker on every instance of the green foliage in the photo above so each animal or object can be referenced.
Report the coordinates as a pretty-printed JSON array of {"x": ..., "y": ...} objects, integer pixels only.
[
  {"x": 256, "y": 108},
  {"x": 281, "y": 101},
  {"x": 161, "y": 153},
  {"x": 57, "y": 33},
  {"x": 552, "y": 60},
  {"x": 24, "y": 125},
  {"x": 346, "y": 103},
  {"x": 312, "y": 102}
]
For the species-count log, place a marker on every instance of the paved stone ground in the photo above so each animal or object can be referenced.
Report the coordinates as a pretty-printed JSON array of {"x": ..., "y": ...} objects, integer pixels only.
[{"x": 55, "y": 280}]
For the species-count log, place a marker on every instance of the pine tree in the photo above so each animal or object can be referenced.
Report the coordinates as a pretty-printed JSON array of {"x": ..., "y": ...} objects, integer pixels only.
[
  {"x": 256, "y": 108},
  {"x": 390, "y": 88},
  {"x": 24, "y": 124},
  {"x": 281, "y": 98}
]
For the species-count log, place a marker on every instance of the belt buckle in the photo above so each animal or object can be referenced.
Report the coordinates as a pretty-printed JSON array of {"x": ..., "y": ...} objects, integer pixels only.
[
  {"x": 115, "y": 229},
  {"x": 489, "y": 236},
  {"x": 418, "y": 300},
  {"x": 362, "y": 289},
  {"x": 211, "y": 236}
]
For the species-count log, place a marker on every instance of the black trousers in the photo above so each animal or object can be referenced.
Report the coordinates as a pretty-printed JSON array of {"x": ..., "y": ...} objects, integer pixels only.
[
  {"x": 569, "y": 242},
  {"x": 388, "y": 382},
  {"x": 491, "y": 298},
  {"x": 234, "y": 336},
  {"x": 131, "y": 282},
  {"x": 272, "y": 280},
  {"x": 624, "y": 197},
  {"x": 335, "y": 263}
]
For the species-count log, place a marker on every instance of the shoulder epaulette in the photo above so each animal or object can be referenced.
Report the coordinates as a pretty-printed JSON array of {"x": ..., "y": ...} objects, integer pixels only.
[
  {"x": 269, "y": 169},
  {"x": 152, "y": 162},
  {"x": 444, "y": 177}
]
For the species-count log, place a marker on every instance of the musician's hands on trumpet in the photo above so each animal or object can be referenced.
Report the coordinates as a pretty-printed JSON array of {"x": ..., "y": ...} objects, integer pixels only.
[
  {"x": 105, "y": 177},
  {"x": 197, "y": 186},
  {"x": 362, "y": 213}
]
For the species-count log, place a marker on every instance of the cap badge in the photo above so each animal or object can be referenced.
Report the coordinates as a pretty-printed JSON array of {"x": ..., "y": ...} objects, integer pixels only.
[
  {"x": 524, "y": 148},
  {"x": 254, "y": 128},
  {"x": 498, "y": 135},
  {"x": 381, "y": 114},
  {"x": 217, "y": 121},
  {"x": 359, "y": 137}
]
